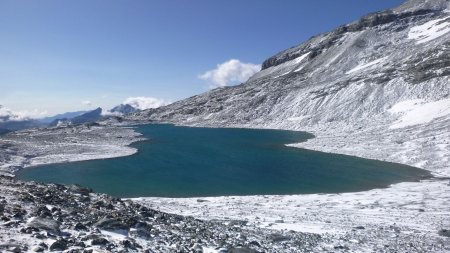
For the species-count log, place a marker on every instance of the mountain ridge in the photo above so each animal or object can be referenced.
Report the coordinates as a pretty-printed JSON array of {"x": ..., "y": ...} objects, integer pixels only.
[{"x": 346, "y": 75}]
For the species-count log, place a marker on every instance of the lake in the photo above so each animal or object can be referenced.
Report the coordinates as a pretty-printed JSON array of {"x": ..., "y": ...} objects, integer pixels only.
[{"x": 195, "y": 162}]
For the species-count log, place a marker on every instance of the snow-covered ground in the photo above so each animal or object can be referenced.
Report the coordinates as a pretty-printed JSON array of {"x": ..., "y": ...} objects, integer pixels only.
[
  {"x": 68, "y": 144},
  {"x": 402, "y": 205},
  {"x": 373, "y": 63},
  {"x": 418, "y": 111},
  {"x": 418, "y": 209},
  {"x": 430, "y": 30}
]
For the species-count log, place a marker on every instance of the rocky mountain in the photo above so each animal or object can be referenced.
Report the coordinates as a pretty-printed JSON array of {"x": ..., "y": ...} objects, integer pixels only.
[
  {"x": 348, "y": 78},
  {"x": 92, "y": 116},
  {"x": 123, "y": 109},
  {"x": 67, "y": 115},
  {"x": 88, "y": 117}
]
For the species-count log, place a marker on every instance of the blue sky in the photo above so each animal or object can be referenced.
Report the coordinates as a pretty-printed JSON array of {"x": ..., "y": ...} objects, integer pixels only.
[{"x": 56, "y": 54}]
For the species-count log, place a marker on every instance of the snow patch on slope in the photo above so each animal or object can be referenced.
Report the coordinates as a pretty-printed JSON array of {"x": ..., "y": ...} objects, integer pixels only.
[
  {"x": 366, "y": 65},
  {"x": 418, "y": 111},
  {"x": 300, "y": 58},
  {"x": 284, "y": 68},
  {"x": 430, "y": 30}
]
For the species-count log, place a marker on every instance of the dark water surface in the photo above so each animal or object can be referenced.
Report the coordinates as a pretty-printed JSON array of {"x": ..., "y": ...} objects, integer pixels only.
[{"x": 188, "y": 162}]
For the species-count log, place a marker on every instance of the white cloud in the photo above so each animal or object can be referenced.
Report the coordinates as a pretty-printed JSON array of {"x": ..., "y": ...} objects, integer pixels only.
[
  {"x": 109, "y": 113},
  {"x": 143, "y": 103},
  {"x": 7, "y": 114},
  {"x": 86, "y": 102},
  {"x": 229, "y": 73}
]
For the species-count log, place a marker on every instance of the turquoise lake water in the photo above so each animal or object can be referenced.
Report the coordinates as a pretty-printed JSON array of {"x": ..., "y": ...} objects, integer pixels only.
[{"x": 195, "y": 162}]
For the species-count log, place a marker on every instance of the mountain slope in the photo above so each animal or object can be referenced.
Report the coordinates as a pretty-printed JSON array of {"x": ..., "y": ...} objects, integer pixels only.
[
  {"x": 351, "y": 75},
  {"x": 87, "y": 117},
  {"x": 67, "y": 115},
  {"x": 377, "y": 88}
]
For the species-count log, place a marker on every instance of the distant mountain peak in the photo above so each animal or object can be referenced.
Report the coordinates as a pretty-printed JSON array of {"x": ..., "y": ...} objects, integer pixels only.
[{"x": 124, "y": 109}]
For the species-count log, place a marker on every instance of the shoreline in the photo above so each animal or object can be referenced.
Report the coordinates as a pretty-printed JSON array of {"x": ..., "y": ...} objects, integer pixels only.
[
  {"x": 129, "y": 150},
  {"x": 390, "y": 214},
  {"x": 399, "y": 206},
  {"x": 35, "y": 147}
]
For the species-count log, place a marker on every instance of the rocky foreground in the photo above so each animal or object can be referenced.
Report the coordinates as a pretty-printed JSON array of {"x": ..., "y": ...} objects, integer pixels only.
[{"x": 40, "y": 218}]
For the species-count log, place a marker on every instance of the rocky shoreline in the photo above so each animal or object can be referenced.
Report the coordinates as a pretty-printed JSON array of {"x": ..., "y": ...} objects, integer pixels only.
[{"x": 37, "y": 218}]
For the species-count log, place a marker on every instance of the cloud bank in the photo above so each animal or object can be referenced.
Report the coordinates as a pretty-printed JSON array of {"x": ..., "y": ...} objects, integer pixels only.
[
  {"x": 7, "y": 114},
  {"x": 143, "y": 103},
  {"x": 231, "y": 72}
]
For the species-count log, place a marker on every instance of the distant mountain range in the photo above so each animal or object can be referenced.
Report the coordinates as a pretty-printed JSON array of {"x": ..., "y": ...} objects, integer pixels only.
[
  {"x": 67, "y": 115},
  {"x": 4, "y": 131},
  {"x": 10, "y": 122},
  {"x": 90, "y": 116}
]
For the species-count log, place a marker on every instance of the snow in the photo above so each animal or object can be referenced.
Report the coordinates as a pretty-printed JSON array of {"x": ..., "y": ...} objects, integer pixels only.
[
  {"x": 212, "y": 250},
  {"x": 59, "y": 145},
  {"x": 317, "y": 213},
  {"x": 300, "y": 58},
  {"x": 430, "y": 30},
  {"x": 418, "y": 111},
  {"x": 283, "y": 68},
  {"x": 366, "y": 65},
  {"x": 119, "y": 235},
  {"x": 299, "y": 118},
  {"x": 281, "y": 75}
]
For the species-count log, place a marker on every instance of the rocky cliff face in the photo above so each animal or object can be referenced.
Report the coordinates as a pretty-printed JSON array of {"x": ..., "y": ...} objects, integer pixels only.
[{"x": 351, "y": 76}]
